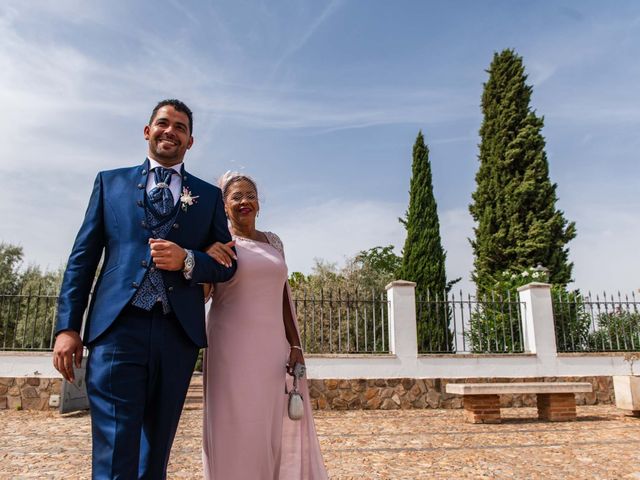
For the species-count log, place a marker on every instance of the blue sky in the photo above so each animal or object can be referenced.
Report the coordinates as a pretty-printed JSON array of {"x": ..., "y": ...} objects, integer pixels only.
[{"x": 321, "y": 101}]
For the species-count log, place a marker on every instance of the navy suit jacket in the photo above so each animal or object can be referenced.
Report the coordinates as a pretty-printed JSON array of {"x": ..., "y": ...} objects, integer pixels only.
[{"x": 115, "y": 223}]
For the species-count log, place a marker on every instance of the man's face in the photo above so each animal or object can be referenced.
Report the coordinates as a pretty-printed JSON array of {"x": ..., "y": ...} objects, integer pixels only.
[{"x": 168, "y": 136}]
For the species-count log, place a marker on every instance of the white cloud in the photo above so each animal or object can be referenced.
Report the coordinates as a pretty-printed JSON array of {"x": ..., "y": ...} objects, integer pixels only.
[
  {"x": 308, "y": 32},
  {"x": 68, "y": 111},
  {"x": 334, "y": 230},
  {"x": 456, "y": 227},
  {"x": 605, "y": 252},
  {"x": 339, "y": 228},
  {"x": 540, "y": 72}
]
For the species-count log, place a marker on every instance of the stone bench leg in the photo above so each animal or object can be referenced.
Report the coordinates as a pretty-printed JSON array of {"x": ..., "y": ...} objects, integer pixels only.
[
  {"x": 482, "y": 408},
  {"x": 557, "y": 407}
]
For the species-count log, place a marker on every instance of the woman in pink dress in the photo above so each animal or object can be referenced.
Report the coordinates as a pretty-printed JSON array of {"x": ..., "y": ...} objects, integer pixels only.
[{"x": 253, "y": 343}]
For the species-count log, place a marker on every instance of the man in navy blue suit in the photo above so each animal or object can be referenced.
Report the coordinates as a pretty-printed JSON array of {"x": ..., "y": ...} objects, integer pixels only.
[{"x": 150, "y": 224}]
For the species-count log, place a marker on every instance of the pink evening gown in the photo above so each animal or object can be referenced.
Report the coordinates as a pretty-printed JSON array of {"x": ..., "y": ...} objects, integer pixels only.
[{"x": 247, "y": 433}]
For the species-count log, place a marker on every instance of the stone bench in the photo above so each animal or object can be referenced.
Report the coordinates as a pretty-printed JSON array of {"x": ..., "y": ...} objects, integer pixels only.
[{"x": 556, "y": 400}]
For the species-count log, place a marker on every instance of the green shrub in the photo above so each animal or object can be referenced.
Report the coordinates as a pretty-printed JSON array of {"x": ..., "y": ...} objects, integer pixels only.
[
  {"x": 617, "y": 331},
  {"x": 495, "y": 325}
]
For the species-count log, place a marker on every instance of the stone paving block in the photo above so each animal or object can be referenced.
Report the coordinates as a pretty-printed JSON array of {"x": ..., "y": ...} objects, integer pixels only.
[{"x": 14, "y": 403}]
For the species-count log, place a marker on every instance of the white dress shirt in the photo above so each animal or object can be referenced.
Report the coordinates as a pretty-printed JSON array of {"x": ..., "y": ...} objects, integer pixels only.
[{"x": 176, "y": 179}]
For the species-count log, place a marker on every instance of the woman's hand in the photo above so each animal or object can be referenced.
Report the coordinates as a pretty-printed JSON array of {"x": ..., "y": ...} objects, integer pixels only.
[
  {"x": 223, "y": 252},
  {"x": 295, "y": 356}
]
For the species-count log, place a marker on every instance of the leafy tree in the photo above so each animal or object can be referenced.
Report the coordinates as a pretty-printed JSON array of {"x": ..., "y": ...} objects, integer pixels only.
[
  {"x": 28, "y": 302},
  {"x": 373, "y": 269},
  {"x": 10, "y": 261},
  {"x": 518, "y": 224},
  {"x": 343, "y": 309},
  {"x": 423, "y": 259}
]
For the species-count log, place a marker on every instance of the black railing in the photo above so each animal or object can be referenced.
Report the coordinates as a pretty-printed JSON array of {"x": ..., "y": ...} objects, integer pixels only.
[
  {"x": 459, "y": 324},
  {"x": 329, "y": 322},
  {"x": 27, "y": 319},
  {"x": 357, "y": 322},
  {"x": 342, "y": 322},
  {"x": 596, "y": 323}
]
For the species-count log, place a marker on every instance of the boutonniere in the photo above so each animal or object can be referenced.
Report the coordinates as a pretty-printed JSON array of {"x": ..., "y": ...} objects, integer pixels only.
[{"x": 187, "y": 199}]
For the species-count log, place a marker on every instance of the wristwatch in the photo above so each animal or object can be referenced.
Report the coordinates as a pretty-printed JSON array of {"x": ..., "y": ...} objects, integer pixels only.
[{"x": 189, "y": 262}]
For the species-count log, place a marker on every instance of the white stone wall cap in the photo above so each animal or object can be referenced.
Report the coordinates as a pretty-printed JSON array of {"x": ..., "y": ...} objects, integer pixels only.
[
  {"x": 400, "y": 283},
  {"x": 527, "y": 387},
  {"x": 627, "y": 391},
  {"x": 531, "y": 285}
]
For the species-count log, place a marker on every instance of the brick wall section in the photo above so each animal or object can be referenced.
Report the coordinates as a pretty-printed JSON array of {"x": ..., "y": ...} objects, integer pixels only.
[
  {"x": 556, "y": 407},
  {"x": 28, "y": 393},
  {"x": 482, "y": 408},
  {"x": 407, "y": 393}
]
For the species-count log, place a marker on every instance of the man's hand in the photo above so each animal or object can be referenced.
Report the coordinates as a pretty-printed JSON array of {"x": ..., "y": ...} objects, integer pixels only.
[
  {"x": 222, "y": 253},
  {"x": 167, "y": 255},
  {"x": 68, "y": 345}
]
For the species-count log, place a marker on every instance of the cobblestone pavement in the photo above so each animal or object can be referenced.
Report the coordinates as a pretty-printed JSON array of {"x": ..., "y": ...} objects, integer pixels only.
[{"x": 406, "y": 444}]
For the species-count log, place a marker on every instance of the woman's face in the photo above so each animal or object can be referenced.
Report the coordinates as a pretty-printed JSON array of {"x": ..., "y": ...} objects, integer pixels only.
[{"x": 241, "y": 203}]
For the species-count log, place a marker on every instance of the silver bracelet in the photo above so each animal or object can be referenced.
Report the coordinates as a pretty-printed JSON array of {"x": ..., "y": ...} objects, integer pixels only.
[{"x": 296, "y": 346}]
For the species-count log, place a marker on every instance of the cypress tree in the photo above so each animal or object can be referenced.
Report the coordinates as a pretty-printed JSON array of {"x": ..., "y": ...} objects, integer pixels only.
[
  {"x": 517, "y": 223},
  {"x": 423, "y": 258}
]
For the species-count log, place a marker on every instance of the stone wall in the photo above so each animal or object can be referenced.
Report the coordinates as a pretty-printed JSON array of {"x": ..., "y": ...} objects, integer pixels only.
[
  {"x": 406, "y": 393},
  {"x": 371, "y": 394},
  {"x": 30, "y": 393}
]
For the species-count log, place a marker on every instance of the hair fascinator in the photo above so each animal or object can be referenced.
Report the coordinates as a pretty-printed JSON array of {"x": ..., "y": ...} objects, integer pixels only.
[{"x": 230, "y": 177}]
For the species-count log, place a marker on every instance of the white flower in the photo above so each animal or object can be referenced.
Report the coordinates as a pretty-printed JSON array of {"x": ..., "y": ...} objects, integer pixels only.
[
  {"x": 187, "y": 198},
  {"x": 535, "y": 274},
  {"x": 513, "y": 275},
  {"x": 525, "y": 274}
]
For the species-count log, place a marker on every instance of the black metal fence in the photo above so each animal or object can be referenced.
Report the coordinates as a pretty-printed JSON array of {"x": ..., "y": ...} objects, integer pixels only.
[
  {"x": 466, "y": 324},
  {"x": 357, "y": 322},
  {"x": 329, "y": 322},
  {"x": 342, "y": 321},
  {"x": 596, "y": 323},
  {"x": 27, "y": 319}
]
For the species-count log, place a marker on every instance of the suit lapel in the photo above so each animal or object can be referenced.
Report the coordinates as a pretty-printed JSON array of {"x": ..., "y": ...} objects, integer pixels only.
[
  {"x": 185, "y": 214},
  {"x": 139, "y": 181}
]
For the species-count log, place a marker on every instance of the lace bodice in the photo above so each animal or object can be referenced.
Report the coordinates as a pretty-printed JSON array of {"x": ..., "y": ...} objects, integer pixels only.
[{"x": 275, "y": 241}]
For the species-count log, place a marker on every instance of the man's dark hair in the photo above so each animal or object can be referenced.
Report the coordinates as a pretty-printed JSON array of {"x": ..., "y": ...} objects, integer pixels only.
[{"x": 179, "y": 106}]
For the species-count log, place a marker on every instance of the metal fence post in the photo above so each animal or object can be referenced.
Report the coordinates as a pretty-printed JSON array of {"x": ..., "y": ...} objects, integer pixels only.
[
  {"x": 538, "y": 327},
  {"x": 403, "y": 336}
]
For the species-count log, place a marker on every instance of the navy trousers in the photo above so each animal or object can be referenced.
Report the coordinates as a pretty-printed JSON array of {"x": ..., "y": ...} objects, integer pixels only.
[{"x": 138, "y": 373}]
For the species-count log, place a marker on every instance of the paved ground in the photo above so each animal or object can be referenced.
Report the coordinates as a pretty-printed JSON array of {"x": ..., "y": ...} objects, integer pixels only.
[{"x": 414, "y": 444}]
